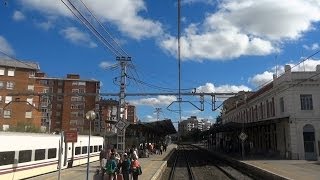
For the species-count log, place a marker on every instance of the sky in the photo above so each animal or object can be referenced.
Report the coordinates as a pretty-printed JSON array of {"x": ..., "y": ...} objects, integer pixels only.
[{"x": 226, "y": 45}]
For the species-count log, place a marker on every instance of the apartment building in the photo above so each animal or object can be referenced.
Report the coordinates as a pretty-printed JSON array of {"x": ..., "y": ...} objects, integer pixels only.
[
  {"x": 131, "y": 114},
  {"x": 192, "y": 123},
  {"x": 66, "y": 101},
  {"x": 16, "y": 110},
  {"x": 282, "y": 119}
]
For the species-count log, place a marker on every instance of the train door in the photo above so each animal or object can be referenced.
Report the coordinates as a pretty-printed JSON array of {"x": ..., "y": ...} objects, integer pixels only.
[{"x": 70, "y": 154}]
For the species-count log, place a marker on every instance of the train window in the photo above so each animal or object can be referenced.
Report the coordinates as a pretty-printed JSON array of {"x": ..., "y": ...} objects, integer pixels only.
[
  {"x": 25, "y": 156},
  {"x": 52, "y": 153},
  {"x": 100, "y": 148},
  {"x": 77, "y": 151},
  {"x": 6, "y": 158},
  {"x": 40, "y": 154},
  {"x": 95, "y": 148},
  {"x": 84, "y": 150},
  {"x": 91, "y": 149}
]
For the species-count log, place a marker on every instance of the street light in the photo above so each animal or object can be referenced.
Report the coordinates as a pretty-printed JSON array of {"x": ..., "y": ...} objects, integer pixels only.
[{"x": 90, "y": 115}]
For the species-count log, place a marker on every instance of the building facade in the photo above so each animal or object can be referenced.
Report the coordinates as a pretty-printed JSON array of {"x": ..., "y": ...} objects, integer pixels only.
[
  {"x": 193, "y": 123},
  {"x": 282, "y": 119},
  {"x": 65, "y": 101},
  {"x": 17, "y": 110}
]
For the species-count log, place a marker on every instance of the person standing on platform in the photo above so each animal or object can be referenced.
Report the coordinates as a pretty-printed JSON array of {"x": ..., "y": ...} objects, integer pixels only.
[
  {"x": 125, "y": 166},
  {"x": 111, "y": 167},
  {"x": 135, "y": 168},
  {"x": 101, "y": 157}
]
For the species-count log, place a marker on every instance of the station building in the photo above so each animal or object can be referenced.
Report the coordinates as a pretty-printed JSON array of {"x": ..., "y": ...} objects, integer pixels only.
[{"x": 280, "y": 120}]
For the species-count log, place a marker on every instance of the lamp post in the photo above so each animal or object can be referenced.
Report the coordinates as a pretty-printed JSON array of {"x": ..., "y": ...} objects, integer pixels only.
[{"x": 90, "y": 115}]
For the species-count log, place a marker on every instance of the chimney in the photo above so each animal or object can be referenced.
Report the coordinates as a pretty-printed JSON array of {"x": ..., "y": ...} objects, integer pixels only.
[{"x": 73, "y": 76}]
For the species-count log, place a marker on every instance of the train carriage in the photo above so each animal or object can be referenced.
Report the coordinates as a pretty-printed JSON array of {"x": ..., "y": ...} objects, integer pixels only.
[{"x": 24, "y": 155}]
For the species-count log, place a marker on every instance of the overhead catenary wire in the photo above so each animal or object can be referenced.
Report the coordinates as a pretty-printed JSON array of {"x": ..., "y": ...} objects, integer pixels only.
[
  {"x": 13, "y": 58},
  {"x": 89, "y": 26},
  {"x": 302, "y": 61},
  {"x": 101, "y": 25}
]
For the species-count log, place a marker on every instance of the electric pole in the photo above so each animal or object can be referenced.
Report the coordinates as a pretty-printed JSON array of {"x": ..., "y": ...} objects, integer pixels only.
[
  {"x": 121, "y": 124},
  {"x": 158, "y": 111}
]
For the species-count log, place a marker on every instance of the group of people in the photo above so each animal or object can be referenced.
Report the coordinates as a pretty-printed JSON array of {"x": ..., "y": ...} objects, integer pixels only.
[{"x": 126, "y": 165}]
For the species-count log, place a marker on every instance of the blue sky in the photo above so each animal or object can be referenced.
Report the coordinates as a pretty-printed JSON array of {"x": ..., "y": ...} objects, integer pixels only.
[{"x": 226, "y": 45}]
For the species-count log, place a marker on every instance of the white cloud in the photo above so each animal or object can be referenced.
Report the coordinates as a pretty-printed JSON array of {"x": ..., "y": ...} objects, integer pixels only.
[
  {"x": 122, "y": 13},
  {"x": 105, "y": 65},
  {"x": 158, "y": 101},
  {"x": 267, "y": 76},
  {"x": 74, "y": 35},
  {"x": 212, "y": 2},
  {"x": 45, "y": 25},
  {"x": 210, "y": 88},
  {"x": 18, "y": 16},
  {"x": 5, "y": 47},
  {"x": 242, "y": 27},
  {"x": 313, "y": 46}
]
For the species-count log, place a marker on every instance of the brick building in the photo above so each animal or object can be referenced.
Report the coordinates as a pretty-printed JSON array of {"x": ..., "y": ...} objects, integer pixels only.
[
  {"x": 67, "y": 102},
  {"x": 18, "y": 111}
]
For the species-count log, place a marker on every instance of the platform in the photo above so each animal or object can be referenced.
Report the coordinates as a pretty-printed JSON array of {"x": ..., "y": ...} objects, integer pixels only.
[
  {"x": 152, "y": 168},
  {"x": 286, "y": 169}
]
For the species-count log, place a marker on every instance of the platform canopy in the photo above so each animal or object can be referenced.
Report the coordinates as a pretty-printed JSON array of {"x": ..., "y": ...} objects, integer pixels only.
[{"x": 162, "y": 127}]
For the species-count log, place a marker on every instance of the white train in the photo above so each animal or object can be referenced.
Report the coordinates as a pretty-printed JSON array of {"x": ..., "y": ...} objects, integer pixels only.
[{"x": 24, "y": 155}]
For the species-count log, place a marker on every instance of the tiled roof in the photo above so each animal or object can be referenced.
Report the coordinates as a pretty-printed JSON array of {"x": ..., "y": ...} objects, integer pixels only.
[{"x": 19, "y": 64}]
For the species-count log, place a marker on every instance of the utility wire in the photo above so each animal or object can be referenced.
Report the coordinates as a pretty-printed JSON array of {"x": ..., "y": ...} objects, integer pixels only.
[
  {"x": 89, "y": 26},
  {"x": 13, "y": 58},
  {"x": 101, "y": 25},
  {"x": 179, "y": 58},
  {"x": 303, "y": 60}
]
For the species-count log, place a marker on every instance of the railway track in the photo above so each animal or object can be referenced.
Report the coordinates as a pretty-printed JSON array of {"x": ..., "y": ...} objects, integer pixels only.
[{"x": 190, "y": 162}]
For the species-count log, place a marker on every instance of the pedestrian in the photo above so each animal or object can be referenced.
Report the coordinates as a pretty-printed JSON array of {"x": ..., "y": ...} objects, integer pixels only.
[
  {"x": 135, "y": 168},
  {"x": 101, "y": 157},
  {"x": 111, "y": 167},
  {"x": 125, "y": 166}
]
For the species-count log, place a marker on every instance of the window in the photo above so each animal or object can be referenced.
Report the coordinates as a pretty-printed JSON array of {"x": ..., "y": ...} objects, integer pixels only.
[
  {"x": 81, "y": 83},
  {"x": 60, "y": 83},
  {"x": 52, "y": 153},
  {"x": 28, "y": 114},
  {"x": 39, "y": 154},
  {"x": 2, "y": 71},
  {"x": 8, "y": 99},
  {"x": 59, "y": 90},
  {"x": 43, "y": 82},
  {"x": 100, "y": 148},
  {"x": 91, "y": 149},
  {"x": 59, "y": 106},
  {"x": 5, "y": 127},
  {"x": 82, "y": 90},
  {"x": 77, "y": 151},
  {"x": 0, "y": 99},
  {"x": 30, "y": 87},
  {"x": 84, "y": 150},
  {"x": 1, "y": 84},
  {"x": 10, "y": 72},
  {"x": 7, "y": 113},
  {"x": 281, "y": 104},
  {"x": 59, "y": 98},
  {"x": 32, "y": 73},
  {"x": 306, "y": 102},
  {"x": 25, "y": 156},
  {"x": 95, "y": 148},
  {"x": 10, "y": 85},
  {"x": 6, "y": 158},
  {"x": 30, "y": 101},
  {"x": 58, "y": 113},
  {"x": 75, "y": 90}
]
